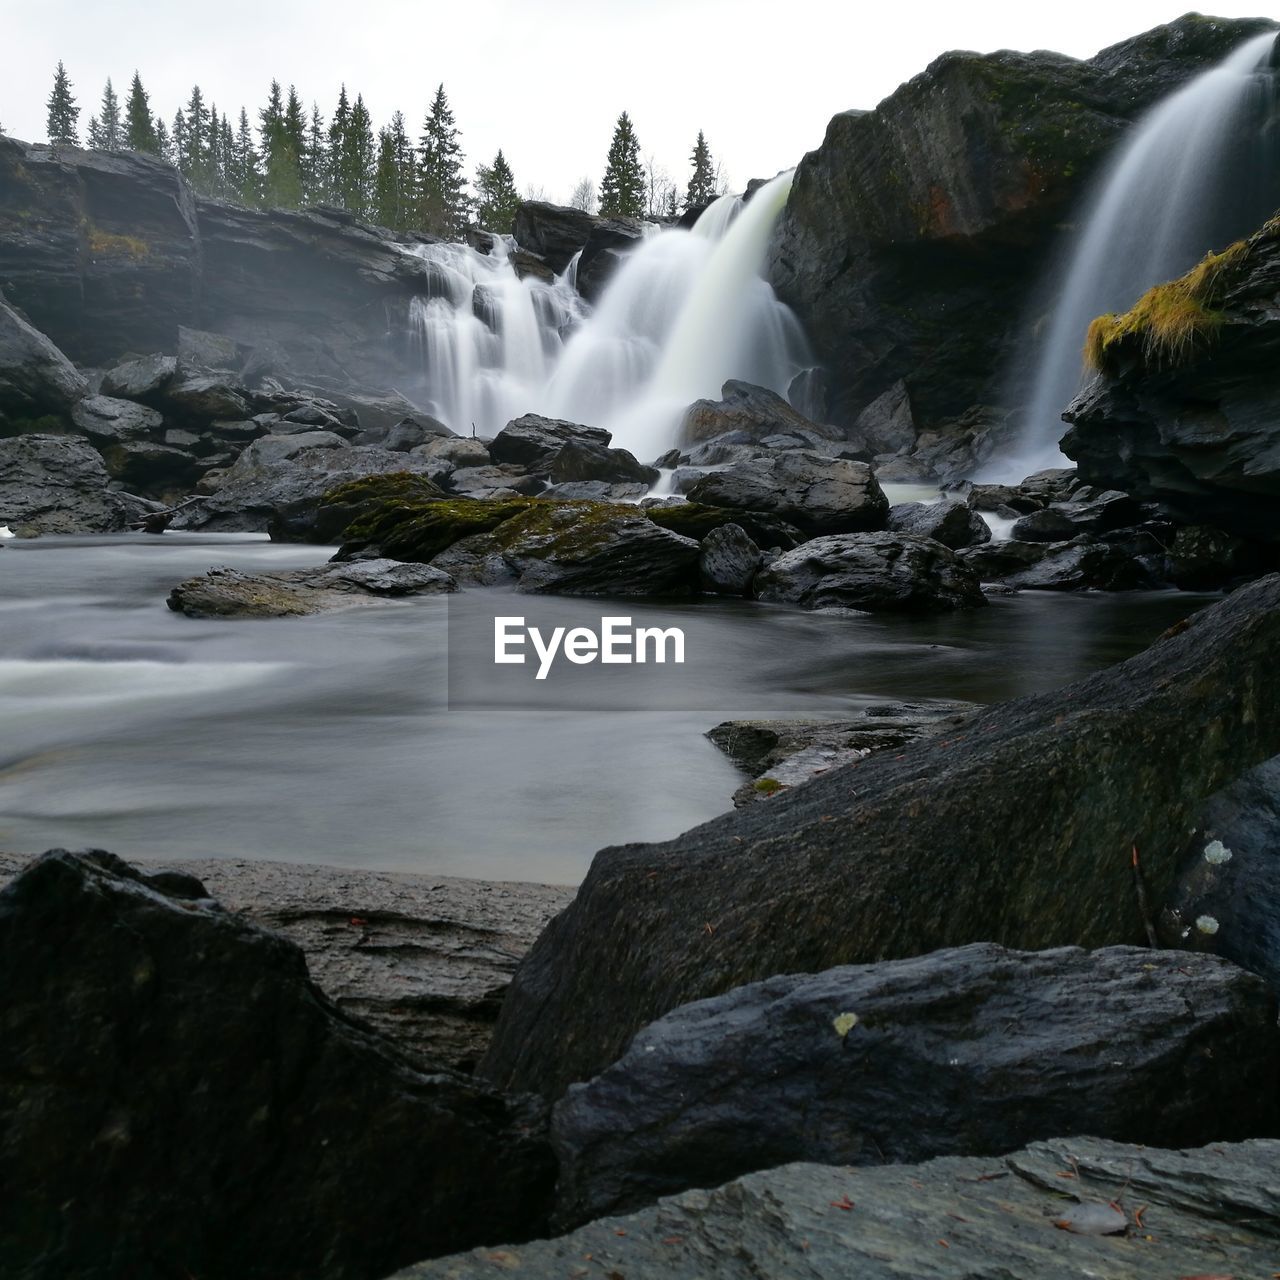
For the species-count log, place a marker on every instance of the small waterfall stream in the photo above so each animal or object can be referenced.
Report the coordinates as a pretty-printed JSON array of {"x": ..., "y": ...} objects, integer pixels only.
[
  {"x": 686, "y": 310},
  {"x": 1200, "y": 170}
]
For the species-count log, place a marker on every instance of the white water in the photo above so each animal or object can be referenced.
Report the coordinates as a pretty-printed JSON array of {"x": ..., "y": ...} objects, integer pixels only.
[
  {"x": 686, "y": 311},
  {"x": 1197, "y": 172}
]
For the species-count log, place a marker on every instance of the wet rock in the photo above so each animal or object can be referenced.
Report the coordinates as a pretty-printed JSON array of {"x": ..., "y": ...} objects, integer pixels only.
[
  {"x": 609, "y": 241},
  {"x": 506, "y": 480},
  {"x": 143, "y": 1023},
  {"x": 820, "y": 494},
  {"x": 586, "y": 460},
  {"x": 886, "y": 423},
  {"x": 1063, "y": 521},
  {"x": 754, "y": 412},
  {"x": 534, "y": 441},
  {"x": 290, "y": 593},
  {"x": 871, "y": 571},
  {"x": 56, "y": 484},
  {"x": 1079, "y": 566},
  {"x": 951, "y": 522},
  {"x": 1199, "y": 558},
  {"x": 409, "y": 433},
  {"x": 458, "y": 450},
  {"x": 201, "y": 349},
  {"x": 152, "y": 468},
  {"x": 143, "y": 379},
  {"x": 969, "y": 1051},
  {"x": 107, "y": 420},
  {"x": 555, "y": 233},
  {"x": 204, "y": 397},
  {"x": 949, "y": 1219},
  {"x": 596, "y": 491},
  {"x": 1017, "y": 830},
  {"x": 35, "y": 377},
  {"x": 728, "y": 561}
]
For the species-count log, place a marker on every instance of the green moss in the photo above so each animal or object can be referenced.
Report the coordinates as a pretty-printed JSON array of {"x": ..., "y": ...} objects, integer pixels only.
[
  {"x": 107, "y": 244},
  {"x": 1171, "y": 322},
  {"x": 767, "y": 786}
]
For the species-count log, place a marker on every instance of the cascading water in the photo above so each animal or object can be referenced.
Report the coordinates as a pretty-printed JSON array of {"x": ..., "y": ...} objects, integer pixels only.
[
  {"x": 1199, "y": 171},
  {"x": 687, "y": 310}
]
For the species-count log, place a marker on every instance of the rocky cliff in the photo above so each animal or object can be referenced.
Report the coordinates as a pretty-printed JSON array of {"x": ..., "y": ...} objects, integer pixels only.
[{"x": 914, "y": 233}]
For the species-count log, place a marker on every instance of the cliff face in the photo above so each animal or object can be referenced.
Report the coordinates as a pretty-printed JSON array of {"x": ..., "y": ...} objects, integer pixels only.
[
  {"x": 914, "y": 234},
  {"x": 1186, "y": 409}
]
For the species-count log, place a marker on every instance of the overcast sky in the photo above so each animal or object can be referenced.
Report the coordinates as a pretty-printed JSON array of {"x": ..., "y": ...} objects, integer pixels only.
[{"x": 545, "y": 79}]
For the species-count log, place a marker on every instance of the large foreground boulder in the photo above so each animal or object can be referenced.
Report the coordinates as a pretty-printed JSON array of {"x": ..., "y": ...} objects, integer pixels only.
[
  {"x": 35, "y": 377},
  {"x": 178, "y": 1099},
  {"x": 970, "y": 1051},
  {"x": 1058, "y": 1210},
  {"x": 56, "y": 484},
  {"x": 1020, "y": 829},
  {"x": 748, "y": 412}
]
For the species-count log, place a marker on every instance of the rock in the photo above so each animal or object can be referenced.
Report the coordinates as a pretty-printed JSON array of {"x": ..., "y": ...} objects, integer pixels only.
[
  {"x": 144, "y": 379},
  {"x": 596, "y": 491},
  {"x": 288, "y": 593},
  {"x": 143, "y": 1022},
  {"x": 1074, "y": 566},
  {"x": 205, "y": 397},
  {"x": 409, "y": 433},
  {"x": 788, "y": 753},
  {"x": 1196, "y": 432},
  {"x": 754, "y": 411},
  {"x": 152, "y": 468},
  {"x": 36, "y": 379},
  {"x": 503, "y": 481},
  {"x": 1016, "y": 830},
  {"x": 1002, "y": 1216},
  {"x": 871, "y": 571},
  {"x": 1061, "y": 522},
  {"x": 534, "y": 441},
  {"x": 586, "y": 460},
  {"x": 555, "y": 233},
  {"x": 1200, "y": 558},
  {"x": 969, "y": 1051},
  {"x": 915, "y": 235},
  {"x": 951, "y": 522},
  {"x": 56, "y": 484},
  {"x": 886, "y": 423},
  {"x": 200, "y": 349},
  {"x": 1224, "y": 900},
  {"x": 823, "y": 495},
  {"x": 610, "y": 240},
  {"x": 107, "y": 420},
  {"x": 728, "y": 561},
  {"x": 579, "y": 549},
  {"x": 458, "y": 450}
]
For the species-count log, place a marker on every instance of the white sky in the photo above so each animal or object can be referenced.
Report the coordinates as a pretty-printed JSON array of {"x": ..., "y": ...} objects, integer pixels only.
[{"x": 545, "y": 80}]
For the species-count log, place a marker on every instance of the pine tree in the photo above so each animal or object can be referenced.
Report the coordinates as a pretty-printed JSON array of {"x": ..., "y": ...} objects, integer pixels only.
[
  {"x": 673, "y": 203},
  {"x": 338, "y": 127},
  {"x": 63, "y": 112},
  {"x": 93, "y": 135},
  {"x": 315, "y": 161},
  {"x": 295, "y": 135},
  {"x": 164, "y": 144},
  {"x": 702, "y": 184},
  {"x": 139, "y": 129},
  {"x": 357, "y": 161},
  {"x": 622, "y": 190},
  {"x": 198, "y": 162},
  {"x": 496, "y": 196},
  {"x": 109, "y": 119},
  {"x": 281, "y": 171},
  {"x": 248, "y": 171},
  {"x": 395, "y": 177},
  {"x": 178, "y": 142},
  {"x": 442, "y": 198}
]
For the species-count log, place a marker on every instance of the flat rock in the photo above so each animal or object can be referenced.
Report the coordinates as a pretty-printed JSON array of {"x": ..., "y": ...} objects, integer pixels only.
[
  {"x": 534, "y": 441},
  {"x": 107, "y": 420}
]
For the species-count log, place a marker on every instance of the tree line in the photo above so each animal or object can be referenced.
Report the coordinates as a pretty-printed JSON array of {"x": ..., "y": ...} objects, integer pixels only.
[{"x": 292, "y": 158}]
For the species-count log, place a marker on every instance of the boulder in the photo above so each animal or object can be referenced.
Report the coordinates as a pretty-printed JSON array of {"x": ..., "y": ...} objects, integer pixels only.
[
  {"x": 1078, "y": 565},
  {"x": 1019, "y": 829},
  {"x": 289, "y": 593},
  {"x": 755, "y": 412},
  {"x": 596, "y": 491},
  {"x": 586, "y": 460},
  {"x": 871, "y": 571},
  {"x": 458, "y": 450},
  {"x": 952, "y": 522},
  {"x": 106, "y": 420},
  {"x": 609, "y": 241},
  {"x": 200, "y": 349},
  {"x": 533, "y": 441},
  {"x": 728, "y": 561},
  {"x": 205, "y": 397},
  {"x": 555, "y": 233},
  {"x": 1060, "y": 522},
  {"x": 144, "y": 379},
  {"x": 160, "y": 470},
  {"x": 409, "y": 433},
  {"x": 142, "y": 1023},
  {"x": 915, "y": 235},
  {"x": 1197, "y": 431},
  {"x": 36, "y": 379},
  {"x": 970, "y": 1051},
  {"x": 56, "y": 484},
  {"x": 886, "y": 424},
  {"x": 1036, "y": 1214},
  {"x": 820, "y": 494},
  {"x": 505, "y": 480}
]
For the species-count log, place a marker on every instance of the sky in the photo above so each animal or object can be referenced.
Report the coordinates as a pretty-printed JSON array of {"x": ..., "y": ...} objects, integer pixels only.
[{"x": 545, "y": 79}]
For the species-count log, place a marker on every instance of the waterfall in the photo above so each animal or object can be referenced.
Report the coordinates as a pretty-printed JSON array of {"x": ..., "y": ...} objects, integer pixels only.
[
  {"x": 685, "y": 311},
  {"x": 1197, "y": 172}
]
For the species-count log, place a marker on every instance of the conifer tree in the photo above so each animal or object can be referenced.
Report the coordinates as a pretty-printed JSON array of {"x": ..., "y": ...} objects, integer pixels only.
[
  {"x": 702, "y": 183},
  {"x": 338, "y": 128},
  {"x": 496, "y": 196},
  {"x": 395, "y": 178},
  {"x": 315, "y": 161},
  {"x": 673, "y": 203},
  {"x": 295, "y": 133},
  {"x": 164, "y": 144},
  {"x": 109, "y": 119},
  {"x": 281, "y": 171},
  {"x": 93, "y": 135},
  {"x": 178, "y": 142},
  {"x": 622, "y": 190},
  {"x": 197, "y": 162},
  {"x": 248, "y": 171},
  {"x": 356, "y": 164},
  {"x": 442, "y": 198},
  {"x": 63, "y": 114},
  {"x": 139, "y": 128}
]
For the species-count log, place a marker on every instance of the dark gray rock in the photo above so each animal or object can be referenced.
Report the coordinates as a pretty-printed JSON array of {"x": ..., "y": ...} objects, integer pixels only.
[
  {"x": 586, "y": 460},
  {"x": 143, "y": 379},
  {"x": 107, "y": 420},
  {"x": 460, "y": 451},
  {"x": 200, "y": 349},
  {"x": 886, "y": 424},
  {"x": 1078, "y": 566},
  {"x": 1061, "y": 522},
  {"x": 160, "y": 470},
  {"x": 409, "y": 433},
  {"x": 555, "y": 233},
  {"x": 1024, "y": 1216},
  {"x": 953, "y": 523},
  {"x": 504, "y": 480},
  {"x": 970, "y": 1051},
  {"x": 609, "y": 241},
  {"x": 755, "y": 412},
  {"x": 1201, "y": 558},
  {"x": 35, "y": 377},
  {"x": 205, "y": 397},
  {"x": 1018, "y": 829},
  {"x": 142, "y": 1022},
  {"x": 289, "y": 593},
  {"x": 56, "y": 484},
  {"x": 728, "y": 561},
  {"x": 596, "y": 491},
  {"x": 871, "y": 571},
  {"x": 533, "y": 441},
  {"x": 823, "y": 495}
]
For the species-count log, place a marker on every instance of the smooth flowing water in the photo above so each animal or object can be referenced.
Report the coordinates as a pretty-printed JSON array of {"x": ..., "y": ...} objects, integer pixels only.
[
  {"x": 685, "y": 311},
  {"x": 1199, "y": 171},
  {"x": 333, "y": 739}
]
